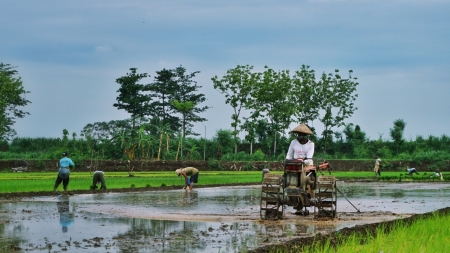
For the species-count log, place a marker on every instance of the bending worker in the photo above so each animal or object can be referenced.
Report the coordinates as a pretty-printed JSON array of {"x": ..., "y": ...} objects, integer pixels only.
[
  {"x": 186, "y": 172},
  {"x": 411, "y": 171},
  {"x": 301, "y": 147},
  {"x": 98, "y": 178}
]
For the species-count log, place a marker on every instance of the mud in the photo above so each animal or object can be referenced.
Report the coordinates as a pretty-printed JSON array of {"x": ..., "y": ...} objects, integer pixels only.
[{"x": 209, "y": 219}]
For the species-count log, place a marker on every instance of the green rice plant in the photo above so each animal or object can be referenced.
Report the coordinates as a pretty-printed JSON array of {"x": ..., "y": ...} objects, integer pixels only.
[
  {"x": 423, "y": 235},
  {"x": 44, "y": 181}
]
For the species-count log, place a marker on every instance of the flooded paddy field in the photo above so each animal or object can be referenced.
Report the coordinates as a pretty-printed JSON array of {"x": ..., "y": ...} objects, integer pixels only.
[{"x": 218, "y": 219}]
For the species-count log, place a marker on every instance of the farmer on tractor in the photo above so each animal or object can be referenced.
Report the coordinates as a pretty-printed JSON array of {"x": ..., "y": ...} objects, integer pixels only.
[{"x": 301, "y": 147}]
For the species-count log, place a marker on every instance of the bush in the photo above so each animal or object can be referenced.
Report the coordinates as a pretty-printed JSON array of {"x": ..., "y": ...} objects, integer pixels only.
[
  {"x": 248, "y": 166},
  {"x": 214, "y": 164},
  {"x": 258, "y": 156},
  {"x": 3, "y": 145}
]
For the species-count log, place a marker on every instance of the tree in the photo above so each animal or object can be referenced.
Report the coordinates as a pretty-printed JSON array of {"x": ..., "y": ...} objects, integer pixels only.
[
  {"x": 338, "y": 95},
  {"x": 305, "y": 95},
  {"x": 163, "y": 89},
  {"x": 270, "y": 99},
  {"x": 397, "y": 134},
  {"x": 236, "y": 85},
  {"x": 132, "y": 97},
  {"x": 186, "y": 100},
  {"x": 249, "y": 126},
  {"x": 355, "y": 141},
  {"x": 224, "y": 140},
  {"x": 12, "y": 96}
]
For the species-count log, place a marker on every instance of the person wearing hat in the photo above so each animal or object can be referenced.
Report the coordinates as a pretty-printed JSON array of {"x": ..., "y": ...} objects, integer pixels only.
[
  {"x": 301, "y": 147},
  {"x": 98, "y": 178},
  {"x": 188, "y": 172},
  {"x": 64, "y": 171}
]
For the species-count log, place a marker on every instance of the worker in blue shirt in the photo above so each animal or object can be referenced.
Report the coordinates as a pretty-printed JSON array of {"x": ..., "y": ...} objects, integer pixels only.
[{"x": 64, "y": 171}]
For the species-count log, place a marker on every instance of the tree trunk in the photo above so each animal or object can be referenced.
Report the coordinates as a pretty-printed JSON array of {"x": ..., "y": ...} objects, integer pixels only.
[
  {"x": 275, "y": 143},
  {"x": 160, "y": 145}
]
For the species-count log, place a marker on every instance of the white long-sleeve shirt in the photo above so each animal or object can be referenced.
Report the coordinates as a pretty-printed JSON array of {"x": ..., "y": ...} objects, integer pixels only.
[{"x": 303, "y": 151}]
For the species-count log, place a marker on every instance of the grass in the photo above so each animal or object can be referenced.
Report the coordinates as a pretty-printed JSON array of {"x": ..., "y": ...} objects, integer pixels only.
[
  {"x": 423, "y": 235},
  {"x": 44, "y": 181}
]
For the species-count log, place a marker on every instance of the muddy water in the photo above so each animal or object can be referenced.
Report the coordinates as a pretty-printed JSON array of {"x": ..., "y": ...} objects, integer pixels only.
[{"x": 223, "y": 219}]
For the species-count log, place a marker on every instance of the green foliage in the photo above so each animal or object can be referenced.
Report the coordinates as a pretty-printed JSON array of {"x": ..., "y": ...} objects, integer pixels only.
[
  {"x": 131, "y": 94},
  {"x": 248, "y": 166},
  {"x": 4, "y": 146},
  {"x": 395, "y": 239},
  {"x": 397, "y": 134},
  {"x": 12, "y": 97},
  {"x": 259, "y": 156},
  {"x": 214, "y": 164},
  {"x": 236, "y": 86},
  {"x": 224, "y": 140}
]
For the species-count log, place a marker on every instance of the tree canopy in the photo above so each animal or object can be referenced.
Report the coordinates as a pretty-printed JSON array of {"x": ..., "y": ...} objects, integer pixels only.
[
  {"x": 12, "y": 97},
  {"x": 283, "y": 99}
]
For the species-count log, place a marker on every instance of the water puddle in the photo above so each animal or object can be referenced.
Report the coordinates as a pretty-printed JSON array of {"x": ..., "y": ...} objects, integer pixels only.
[{"x": 225, "y": 219}]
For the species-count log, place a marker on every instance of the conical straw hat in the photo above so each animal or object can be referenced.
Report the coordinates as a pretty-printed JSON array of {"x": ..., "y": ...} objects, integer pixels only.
[{"x": 302, "y": 128}]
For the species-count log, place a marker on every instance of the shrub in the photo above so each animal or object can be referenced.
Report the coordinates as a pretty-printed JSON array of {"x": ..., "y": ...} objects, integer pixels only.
[
  {"x": 4, "y": 145},
  {"x": 258, "y": 155},
  {"x": 214, "y": 164},
  {"x": 247, "y": 166}
]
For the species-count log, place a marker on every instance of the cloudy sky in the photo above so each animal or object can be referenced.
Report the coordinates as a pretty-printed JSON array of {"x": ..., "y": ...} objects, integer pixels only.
[{"x": 69, "y": 54}]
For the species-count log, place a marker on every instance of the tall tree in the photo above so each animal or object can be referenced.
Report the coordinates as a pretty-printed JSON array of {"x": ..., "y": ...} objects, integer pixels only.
[
  {"x": 397, "y": 134},
  {"x": 163, "y": 89},
  {"x": 187, "y": 100},
  {"x": 132, "y": 95},
  {"x": 236, "y": 85},
  {"x": 305, "y": 95},
  {"x": 12, "y": 96},
  {"x": 270, "y": 100},
  {"x": 338, "y": 96}
]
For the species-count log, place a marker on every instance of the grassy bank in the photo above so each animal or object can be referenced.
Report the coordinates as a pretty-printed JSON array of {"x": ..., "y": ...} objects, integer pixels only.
[{"x": 422, "y": 235}]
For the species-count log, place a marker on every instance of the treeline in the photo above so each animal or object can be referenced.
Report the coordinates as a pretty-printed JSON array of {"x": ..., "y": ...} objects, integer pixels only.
[
  {"x": 104, "y": 141},
  {"x": 163, "y": 112}
]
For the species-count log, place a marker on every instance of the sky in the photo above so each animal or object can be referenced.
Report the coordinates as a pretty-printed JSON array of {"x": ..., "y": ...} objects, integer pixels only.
[{"x": 69, "y": 54}]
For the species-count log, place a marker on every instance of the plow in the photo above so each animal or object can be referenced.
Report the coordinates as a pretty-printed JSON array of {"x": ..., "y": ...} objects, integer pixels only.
[{"x": 299, "y": 187}]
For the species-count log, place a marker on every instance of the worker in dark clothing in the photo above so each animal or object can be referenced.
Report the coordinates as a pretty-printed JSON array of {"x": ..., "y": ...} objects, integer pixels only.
[{"x": 98, "y": 178}]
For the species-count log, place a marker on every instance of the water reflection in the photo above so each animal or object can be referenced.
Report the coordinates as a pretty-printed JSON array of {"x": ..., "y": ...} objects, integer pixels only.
[
  {"x": 66, "y": 216},
  {"x": 190, "y": 197},
  {"x": 224, "y": 219}
]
